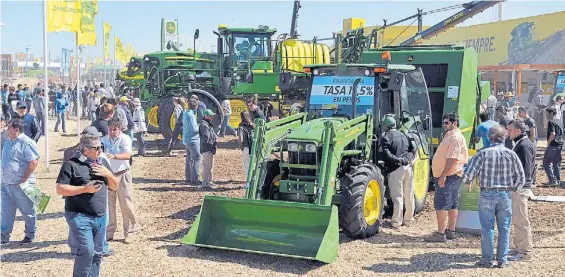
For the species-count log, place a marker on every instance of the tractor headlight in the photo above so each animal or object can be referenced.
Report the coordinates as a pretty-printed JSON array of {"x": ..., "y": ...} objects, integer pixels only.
[
  {"x": 238, "y": 77},
  {"x": 316, "y": 72},
  {"x": 367, "y": 72},
  {"x": 310, "y": 147},
  {"x": 292, "y": 147}
]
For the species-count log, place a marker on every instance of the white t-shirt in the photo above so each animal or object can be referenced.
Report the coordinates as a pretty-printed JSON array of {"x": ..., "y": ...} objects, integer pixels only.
[
  {"x": 227, "y": 107},
  {"x": 121, "y": 144},
  {"x": 559, "y": 109}
]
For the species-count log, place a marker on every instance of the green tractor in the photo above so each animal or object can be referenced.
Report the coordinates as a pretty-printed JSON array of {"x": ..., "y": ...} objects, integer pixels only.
[
  {"x": 171, "y": 74},
  {"x": 317, "y": 171}
]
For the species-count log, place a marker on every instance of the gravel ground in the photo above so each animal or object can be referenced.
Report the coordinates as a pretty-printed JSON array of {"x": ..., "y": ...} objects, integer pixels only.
[{"x": 166, "y": 208}]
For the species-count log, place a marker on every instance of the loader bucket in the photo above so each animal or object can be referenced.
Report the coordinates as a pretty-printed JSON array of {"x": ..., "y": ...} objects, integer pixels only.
[{"x": 296, "y": 230}]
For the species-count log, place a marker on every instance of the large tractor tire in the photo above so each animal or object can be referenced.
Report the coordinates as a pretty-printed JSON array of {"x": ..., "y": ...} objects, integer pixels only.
[
  {"x": 421, "y": 171},
  {"x": 164, "y": 113},
  {"x": 270, "y": 187},
  {"x": 213, "y": 104},
  {"x": 152, "y": 120},
  {"x": 362, "y": 202}
]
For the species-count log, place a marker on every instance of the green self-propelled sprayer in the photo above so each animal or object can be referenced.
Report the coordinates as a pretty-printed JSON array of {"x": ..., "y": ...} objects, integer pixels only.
[{"x": 315, "y": 172}]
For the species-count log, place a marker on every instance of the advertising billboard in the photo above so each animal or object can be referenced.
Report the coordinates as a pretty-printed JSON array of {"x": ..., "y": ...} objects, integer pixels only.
[{"x": 530, "y": 40}]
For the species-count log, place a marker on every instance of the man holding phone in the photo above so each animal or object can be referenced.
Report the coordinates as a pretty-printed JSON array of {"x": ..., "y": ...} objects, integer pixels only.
[{"x": 85, "y": 183}]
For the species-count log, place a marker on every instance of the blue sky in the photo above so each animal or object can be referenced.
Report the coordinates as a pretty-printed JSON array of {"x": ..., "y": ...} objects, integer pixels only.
[{"x": 138, "y": 22}]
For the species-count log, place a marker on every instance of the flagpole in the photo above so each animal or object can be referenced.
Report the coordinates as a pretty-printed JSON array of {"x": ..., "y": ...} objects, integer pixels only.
[
  {"x": 45, "y": 86},
  {"x": 78, "y": 85},
  {"x": 104, "y": 50},
  {"x": 114, "y": 62}
]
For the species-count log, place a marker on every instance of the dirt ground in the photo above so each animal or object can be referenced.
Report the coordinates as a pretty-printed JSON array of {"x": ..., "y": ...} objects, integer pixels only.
[{"x": 166, "y": 208}]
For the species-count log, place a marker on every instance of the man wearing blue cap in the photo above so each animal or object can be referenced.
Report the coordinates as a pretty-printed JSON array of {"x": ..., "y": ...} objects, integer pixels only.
[{"x": 32, "y": 129}]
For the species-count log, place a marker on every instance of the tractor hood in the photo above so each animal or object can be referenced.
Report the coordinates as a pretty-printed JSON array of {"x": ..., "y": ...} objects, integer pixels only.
[{"x": 313, "y": 129}]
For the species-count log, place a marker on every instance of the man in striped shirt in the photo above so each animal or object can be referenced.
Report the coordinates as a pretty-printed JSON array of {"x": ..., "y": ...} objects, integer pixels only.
[{"x": 499, "y": 171}]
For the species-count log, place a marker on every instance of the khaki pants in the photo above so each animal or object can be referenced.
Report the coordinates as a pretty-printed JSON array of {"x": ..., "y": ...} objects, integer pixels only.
[
  {"x": 124, "y": 194},
  {"x": 207, "y": 165},
  {"x": 522, "y": 228},
  {"x": 246, "y": 158},
  {"x": 401, "y": 186}
]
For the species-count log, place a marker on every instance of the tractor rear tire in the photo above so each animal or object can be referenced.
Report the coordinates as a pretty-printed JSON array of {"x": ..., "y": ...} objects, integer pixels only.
[
  {"x": 364, "y": 185},
  {"x": 166, "y": 109}
]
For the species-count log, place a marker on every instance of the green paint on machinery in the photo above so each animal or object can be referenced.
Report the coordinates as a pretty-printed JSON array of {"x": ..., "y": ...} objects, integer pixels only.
[
  {"x": 316, "y": 171},
  {"x": 452, "y": 78},
  {"x": 248, "y": 62}
]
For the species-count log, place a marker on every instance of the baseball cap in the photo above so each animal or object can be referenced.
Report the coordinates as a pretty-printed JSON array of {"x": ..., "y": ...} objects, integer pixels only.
[
  {"x": 21, "y": 104},
  {"x": 91, "y": 130},
  {"x": 124, "y": 99},
  {"x": 209, "y": 112}
]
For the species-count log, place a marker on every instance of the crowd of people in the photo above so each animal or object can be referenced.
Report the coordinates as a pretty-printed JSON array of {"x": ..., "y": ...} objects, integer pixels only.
[{"x": 97, "y": 171}]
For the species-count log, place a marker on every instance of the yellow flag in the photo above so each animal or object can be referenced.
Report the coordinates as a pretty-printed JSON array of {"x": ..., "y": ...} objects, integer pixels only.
[
  {"x": 87, "y": 34},
  {"x": 107, "y": 28},
  {"x": 63, "y": 15},
  {"x": 119, "y": 49}
]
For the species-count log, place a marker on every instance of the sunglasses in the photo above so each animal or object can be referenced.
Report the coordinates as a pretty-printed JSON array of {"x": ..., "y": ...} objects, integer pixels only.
[
  {"x": 446, "y": 123},
  {"x": 22, "y": 108},
  {"x": 97, "y": 148}
]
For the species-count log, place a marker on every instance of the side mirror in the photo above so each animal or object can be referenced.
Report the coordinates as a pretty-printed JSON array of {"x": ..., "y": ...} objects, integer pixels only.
[{"x": 196, "y": 33}]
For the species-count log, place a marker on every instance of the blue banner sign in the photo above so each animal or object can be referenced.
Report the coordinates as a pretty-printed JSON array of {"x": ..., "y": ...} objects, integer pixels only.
[{"x": 338, "y": 90}]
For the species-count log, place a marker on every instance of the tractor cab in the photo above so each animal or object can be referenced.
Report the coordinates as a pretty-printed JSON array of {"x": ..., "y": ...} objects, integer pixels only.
[
  {"x": 350, "y": 90},
  {"x": 134, "y": 67},
  {"x": 249, "y": 51}
]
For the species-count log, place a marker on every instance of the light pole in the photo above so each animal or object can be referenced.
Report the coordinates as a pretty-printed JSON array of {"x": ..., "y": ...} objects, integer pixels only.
[{"x": 27, "y": 55}]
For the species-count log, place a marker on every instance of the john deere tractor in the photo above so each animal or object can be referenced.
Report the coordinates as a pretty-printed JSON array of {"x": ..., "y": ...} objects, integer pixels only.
[{"x": 320, "y": 170}]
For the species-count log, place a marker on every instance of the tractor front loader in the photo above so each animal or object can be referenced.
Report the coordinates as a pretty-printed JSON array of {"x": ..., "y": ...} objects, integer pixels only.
[{"x": 316, "y": 171}]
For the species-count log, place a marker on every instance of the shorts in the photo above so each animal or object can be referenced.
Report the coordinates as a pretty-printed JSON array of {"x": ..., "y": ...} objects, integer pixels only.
[{"x": 447, "y": 198}]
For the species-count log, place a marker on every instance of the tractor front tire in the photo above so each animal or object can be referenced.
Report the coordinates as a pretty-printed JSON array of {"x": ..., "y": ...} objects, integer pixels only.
[
  {"x": 270, "y": 189},
  {"x": 362, "y": 202}
]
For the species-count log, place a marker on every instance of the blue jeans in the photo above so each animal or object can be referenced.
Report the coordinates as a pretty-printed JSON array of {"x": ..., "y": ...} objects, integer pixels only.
[
  {"x": 86, "y": 240},
  {"x": 493, "y": 206},
  {"x": 192, "y": 162},
  {"x": 61, "y": 119},
  {"x": 226, "y": 126},
  {"x": 552, "y": 163},
  {"x": 14, "y": 198}
]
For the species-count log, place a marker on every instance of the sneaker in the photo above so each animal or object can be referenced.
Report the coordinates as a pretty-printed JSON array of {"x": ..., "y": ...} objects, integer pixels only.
[
  {"x": 4, "y": 242},
  {"x": 484, "y": 264},
  {"x": 107, "y": 254},
  {"x": 436, "y": 237},
  {"x": 450, "y": 234},
  {"x": 520, "y": 257},
  {"x": 502, "y": 265},
  {"x": 26, "y": 240},
  {"x": 513, "y": 252},
  {"x": 389, "y": 224},
  {"x": 550, "y": 184}
]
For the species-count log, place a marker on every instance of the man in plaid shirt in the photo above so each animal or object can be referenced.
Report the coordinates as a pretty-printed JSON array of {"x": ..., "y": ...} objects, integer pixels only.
[{"x": 499, "y": 171}]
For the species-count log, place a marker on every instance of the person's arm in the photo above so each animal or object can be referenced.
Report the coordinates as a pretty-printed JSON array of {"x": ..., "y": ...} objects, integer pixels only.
[
  {"x": 452, "y": 154},
  {"x": 204, "y": 135},
  {"x": 104, "y": 171},
  {"x": 472, "y": 169},
  {"x": 552, "y": 133},
  {"x": 35, "y": 129},
  {"x": 388, "y": 156},
  {"x": 533, "y": 133},
  {"x": 519, "y": 175},
  {"x": 32, "y": 158}
]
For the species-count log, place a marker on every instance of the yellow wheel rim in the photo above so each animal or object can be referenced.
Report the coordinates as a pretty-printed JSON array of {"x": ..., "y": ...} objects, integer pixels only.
[
  {"x": 421, "y": 175},
  {"x": 173, "y": 121},
  {"x": 373, "y": 202},
  {"x": 152, "y": 116}
]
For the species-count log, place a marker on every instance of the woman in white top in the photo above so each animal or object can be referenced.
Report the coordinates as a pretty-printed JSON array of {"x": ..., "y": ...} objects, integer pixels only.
[{"x": 140, "y": 128}]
